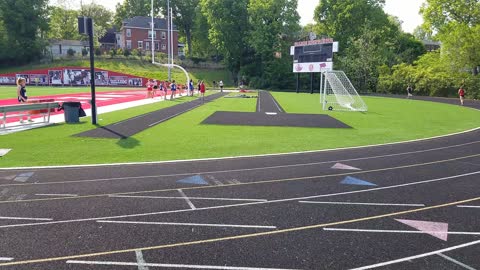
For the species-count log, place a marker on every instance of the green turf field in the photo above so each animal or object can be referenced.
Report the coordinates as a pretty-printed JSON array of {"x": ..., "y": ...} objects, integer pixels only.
[{"x": 388, "y": 120}]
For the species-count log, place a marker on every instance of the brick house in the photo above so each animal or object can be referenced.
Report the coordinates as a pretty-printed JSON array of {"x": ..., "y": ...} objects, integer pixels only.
[{"x": 136, "y": 34}]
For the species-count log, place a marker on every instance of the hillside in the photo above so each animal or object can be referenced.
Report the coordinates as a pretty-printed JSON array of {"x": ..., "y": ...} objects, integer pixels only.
[{"x": 137, "y": 68}]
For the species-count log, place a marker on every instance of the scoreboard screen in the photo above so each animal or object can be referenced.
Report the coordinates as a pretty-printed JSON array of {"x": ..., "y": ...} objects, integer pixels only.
[{"x": 313, "y": 56}]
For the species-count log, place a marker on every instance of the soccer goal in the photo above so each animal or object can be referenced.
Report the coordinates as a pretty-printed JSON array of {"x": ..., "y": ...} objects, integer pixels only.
[{"x": 338, "y": 93}]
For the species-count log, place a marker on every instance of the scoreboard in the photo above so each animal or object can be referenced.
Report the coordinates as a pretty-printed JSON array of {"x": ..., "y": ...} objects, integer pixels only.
[{"x": 313, "y": 56}]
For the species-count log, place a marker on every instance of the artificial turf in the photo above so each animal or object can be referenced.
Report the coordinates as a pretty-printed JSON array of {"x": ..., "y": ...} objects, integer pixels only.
[{"x": 388, "y": 120}]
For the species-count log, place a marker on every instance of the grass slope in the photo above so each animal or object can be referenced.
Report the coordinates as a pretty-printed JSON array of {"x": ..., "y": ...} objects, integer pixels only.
[{"x": 388, "y": 120}]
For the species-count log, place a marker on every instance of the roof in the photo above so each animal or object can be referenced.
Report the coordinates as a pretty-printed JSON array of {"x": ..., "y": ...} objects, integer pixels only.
[
  {"x": 144, "y": 22},
  {"x": 431, "y": 43},
  {"x": 68, "y": 42},
  {"x": 109, "y": 37}
]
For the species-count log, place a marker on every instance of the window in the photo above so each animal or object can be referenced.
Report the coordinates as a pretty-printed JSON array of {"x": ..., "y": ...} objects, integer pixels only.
[
  {"x": 164, "y": 47},
  {"x": 129, "y": 32},
  {"x": 157, "y": 46},
  {"x": 129, "y": 44},
  {"x": 147, "y": 45},
  {"x": 164, "y": 35},
  {"x": 140, "y": 44},
  {"x": 150, "y": 34}
]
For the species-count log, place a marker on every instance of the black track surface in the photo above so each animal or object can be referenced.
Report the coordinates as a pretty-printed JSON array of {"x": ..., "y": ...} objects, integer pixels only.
[
  {"x": 441, "y": 174},
  {"x": 270, "y": 113},
  {"x": 132, "y": 126}
]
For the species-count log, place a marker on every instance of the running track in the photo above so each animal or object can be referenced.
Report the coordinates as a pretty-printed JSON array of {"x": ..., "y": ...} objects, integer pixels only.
[{"x": 266, "y": 212}]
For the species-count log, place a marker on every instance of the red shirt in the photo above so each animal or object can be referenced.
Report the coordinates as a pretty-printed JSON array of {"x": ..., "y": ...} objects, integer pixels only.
[
  {"x": 202, "y": 88},
  {"x": 461, "y": 92}
]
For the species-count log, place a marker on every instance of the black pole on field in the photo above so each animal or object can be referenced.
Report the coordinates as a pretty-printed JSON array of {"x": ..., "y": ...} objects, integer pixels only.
[
  {"x": 92, "y": 70},
  {"x": 311, "y": 82},
  {"x": 298, "y": 82}
]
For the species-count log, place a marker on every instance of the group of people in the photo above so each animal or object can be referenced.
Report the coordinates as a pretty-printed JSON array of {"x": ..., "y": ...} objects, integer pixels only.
[
  {"x": 163, "y": 86},
  {"x": 461, "y": 92}
]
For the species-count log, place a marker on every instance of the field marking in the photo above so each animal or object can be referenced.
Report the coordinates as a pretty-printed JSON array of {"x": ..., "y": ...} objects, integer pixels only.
[
  {"x": 188, "y": 224},
  {"x": 373, "y": 204},
  {"x": 242, "y": 204},
  {"x": 242, "y": 170},
  {"x": 255, "y": 183},
  {"x": 253, "y": 235},
  {"x": 468, "y": 206},
  {"x": 395, "y": 231},
  {"x": 64, "y": 195},
  {"x": 423, "y": 255},
  {"x": 141, "y": 262},
  {"x": 243, "y": 157},
  {"x": 25, "y": 218},
  {"x": 188, "y": 266},
  {"x": 6, "y": 259},
  {"x": 191, "y": 198},
  {"x": 455, "y": 261},
  {"x": 187, "y": 199}
]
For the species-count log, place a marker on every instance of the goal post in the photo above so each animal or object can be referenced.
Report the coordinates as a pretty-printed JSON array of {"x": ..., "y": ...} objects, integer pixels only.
[{"x": 339, "y": 94}]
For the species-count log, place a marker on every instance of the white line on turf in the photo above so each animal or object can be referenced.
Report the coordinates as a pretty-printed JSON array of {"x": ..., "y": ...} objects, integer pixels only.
[
  {"x": 187, "y": 199},
  {"x": 187, "y": 224},
  {"x": 24, "y": 218},
  {"x": 242, "y": 204},
  {"x": 423, "y": 255},
  {"x": 141, "y": 262},
  {"x": 53, "y": 195},
  {"x": 191, "y": 198},
  {"x": 187, "y": 266},
  {"x": 175, "y": 115},
  {"x": 375, "y": 204},
  {"x": 455, "y": 261},
  {"x": 395, "y": 231},
  {"x": 247, "y": 156},
  {"x": 468, "y": 206},
  {"x": 6, "y": 259}
]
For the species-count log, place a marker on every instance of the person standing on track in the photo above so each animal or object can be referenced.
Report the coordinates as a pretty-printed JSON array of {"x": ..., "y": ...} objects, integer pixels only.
[
  {"x": 173, "y": 88},
  {"x": 191, "y": 88},
  {"x": 149, "y": 86},
  {"x": 461, "y": 94},
  {"x": 202, "y": 90},
  {"x": 221, "y": 85},
  {"x": 22, "y": 95},
  {"x": 409, "y": 91}
]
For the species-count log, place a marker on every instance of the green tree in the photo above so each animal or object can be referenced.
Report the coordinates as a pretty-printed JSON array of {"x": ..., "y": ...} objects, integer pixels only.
[
  {"x": 63, "y": 24},
  {"x": 102, "y": 19},
  {"x": 437, "y": 14},
  {"x": 201, "y": 45},
  {"x": 131, "y": 8}
]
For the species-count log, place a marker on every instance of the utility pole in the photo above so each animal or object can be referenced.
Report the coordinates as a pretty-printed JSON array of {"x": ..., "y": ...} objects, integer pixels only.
[
  {"x": 153, "y": 40},
  {"x": 168, "y": 40}
]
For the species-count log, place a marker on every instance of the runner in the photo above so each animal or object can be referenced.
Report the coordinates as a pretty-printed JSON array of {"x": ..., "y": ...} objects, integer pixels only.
[
  {"x": 221, "y": 85},
  {"x": 22, "y": 95},
  {"x": 191, "y": 88},
  {"x": 173, "y": 88},
  {"x": 409, "y": 91},
  {"x": 149, "y": 86},
  {"x": 461, "y": 93},
  {"x": 202, "y": 90}
]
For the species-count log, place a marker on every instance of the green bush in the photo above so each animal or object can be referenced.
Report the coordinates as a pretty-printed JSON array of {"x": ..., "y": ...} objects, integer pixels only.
[
  {"x": 71, "y": 52},
  {"x": 84, "y": 52},
  {"x": 98, "y": 52}
]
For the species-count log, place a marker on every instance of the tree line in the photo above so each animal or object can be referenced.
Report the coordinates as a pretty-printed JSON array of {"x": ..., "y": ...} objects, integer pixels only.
[{"x": 253, "y": 38}]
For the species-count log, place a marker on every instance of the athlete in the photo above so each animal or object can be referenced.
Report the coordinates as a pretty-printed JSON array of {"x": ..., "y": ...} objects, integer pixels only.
[
  {"x": 202, "y": 90},
  {"x": 149, "y": 86},
  {"x": 461, "y": 93},
  {"x": 191, "y": 88},
  {"x": 173, "y": 88},
  {"x": 22, "y": 95},
  {"x": 409, "y": 91}
]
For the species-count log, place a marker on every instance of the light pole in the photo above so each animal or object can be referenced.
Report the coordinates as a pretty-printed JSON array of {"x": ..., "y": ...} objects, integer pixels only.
[
  {"x": 153, "y": 40},
  {"x": 168, "y": 41}
]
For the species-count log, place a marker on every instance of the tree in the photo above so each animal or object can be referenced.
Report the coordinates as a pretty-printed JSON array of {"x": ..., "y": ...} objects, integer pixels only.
[
  {"x": 437, "y": 14},
  {"x": 63, "y": 24},
  {"x": 132, "y": 8},
  {"x": 24, "y": 24},
  {"x": 102, "y": 19},
  {"x": 201, "y": 45}
]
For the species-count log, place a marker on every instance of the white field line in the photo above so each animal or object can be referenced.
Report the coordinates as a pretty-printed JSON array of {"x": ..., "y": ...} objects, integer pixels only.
[
  {"x": 395, "y": 231},
  {"x": 187, "y": 199},
  {"x": 242, "y": 204},
  {"x": 188, "y": 224},
  {"x": 455, "y": 261},
  {"x": 6, "y": 259},
  {"x": 373, "y": 204},
  {"x": 54, "y": 195},
  {"x": 468, "y": 206},
  {"x": 423, "y": 255},
  {"x": 247, "y": 156},
  {"x": 24, "y": 218},
  {"x": 141, "y": 262},
  {"x": 213, "y": 267},
  {"x": 191, "y": 198},
  {"x": 240, "y": 170}
]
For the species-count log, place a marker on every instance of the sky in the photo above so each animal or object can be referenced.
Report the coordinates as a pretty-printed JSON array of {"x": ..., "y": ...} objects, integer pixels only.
[{"x": 406, "y": 10}]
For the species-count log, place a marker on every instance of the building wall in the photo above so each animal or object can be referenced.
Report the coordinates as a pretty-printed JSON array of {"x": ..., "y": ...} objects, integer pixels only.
[
  {"x": 142, "y": 35},
  {"x": 55, "y": 49}
]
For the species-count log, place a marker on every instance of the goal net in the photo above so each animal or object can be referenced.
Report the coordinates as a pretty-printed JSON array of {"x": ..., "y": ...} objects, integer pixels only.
[{"x": 338, "y": 93}]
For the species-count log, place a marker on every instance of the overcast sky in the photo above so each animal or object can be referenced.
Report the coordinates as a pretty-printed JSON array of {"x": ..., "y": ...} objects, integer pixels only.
[{"x": 406, "y": 10}]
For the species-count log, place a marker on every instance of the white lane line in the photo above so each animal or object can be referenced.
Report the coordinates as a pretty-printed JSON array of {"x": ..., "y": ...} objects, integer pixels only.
[
  {"x": 376, "y": 204},
  {"x": 468, "y": 206},
  {"x": 141, "y": 262},
  {"x": 60, "y": 195},
  {"x": 423, "y": 255},
  {"x": 24, "y": 218},
  {"x": 455, "y": 261},
  {"x": 232, "y": 170},
  {"x": 6, "y": 259},
  {"x": 394, "y": 231},
  {"x": 188, "y": 266},
  {"x": 261, "y": 155},
  {"x": 175, "y": 115},
  {"x": 187, "y": 199},
  {"x": 238, "y": 205},
  {"x": 188, "y": 224},
  {"x": 191, "y": 198}
]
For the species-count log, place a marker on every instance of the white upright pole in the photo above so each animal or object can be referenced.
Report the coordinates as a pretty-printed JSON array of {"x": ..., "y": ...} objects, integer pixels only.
[
  {"x": 153, "y": 40},
  {"x": 168, "y": 41},
  {"x": 171, "y": 35}
]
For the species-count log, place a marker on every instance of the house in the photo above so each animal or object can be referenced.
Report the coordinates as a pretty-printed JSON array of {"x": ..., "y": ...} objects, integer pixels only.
[
  {"x": 136, "y": 33},
  {"x": 59, "y": 48},
  {"x": 431, "y": 46},
  {"x": 109, "y": 40}
]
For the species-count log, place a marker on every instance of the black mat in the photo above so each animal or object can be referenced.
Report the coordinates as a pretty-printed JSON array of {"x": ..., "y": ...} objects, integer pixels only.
[
  {"x": 266, "y": 103},
  {"x": 132, "y": 126},
  {"x": 279, "y": 120}
]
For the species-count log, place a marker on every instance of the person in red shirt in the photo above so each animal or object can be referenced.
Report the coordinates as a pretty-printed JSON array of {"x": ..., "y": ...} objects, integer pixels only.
[
  {"x": 202, "y": 90},
  {"x": 461, "y": 93},
  {"x": 149, "y": 86}
]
